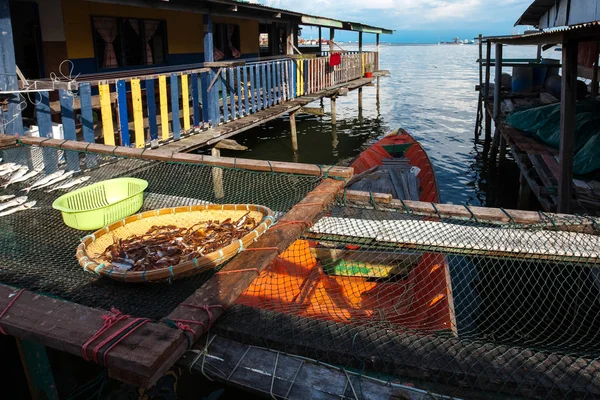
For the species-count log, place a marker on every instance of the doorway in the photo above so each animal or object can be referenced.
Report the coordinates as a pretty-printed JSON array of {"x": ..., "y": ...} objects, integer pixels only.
[{"x": 27, "y": 38}]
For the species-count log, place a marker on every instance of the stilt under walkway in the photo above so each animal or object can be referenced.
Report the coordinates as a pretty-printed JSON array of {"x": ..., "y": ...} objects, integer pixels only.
[{"x": 240, "y": 125}]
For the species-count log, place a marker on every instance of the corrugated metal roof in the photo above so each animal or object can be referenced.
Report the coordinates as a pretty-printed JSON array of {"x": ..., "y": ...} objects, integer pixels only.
[
  {"x": 534, "y": 12},
  {"x": 553, "y": 35},
  {"x": 312, "y": 19}
]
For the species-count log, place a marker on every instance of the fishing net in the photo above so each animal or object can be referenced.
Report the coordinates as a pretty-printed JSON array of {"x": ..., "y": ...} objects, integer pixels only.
[
  {"x": 37, "y": 250},
  {"x": 453, "y": 305}
]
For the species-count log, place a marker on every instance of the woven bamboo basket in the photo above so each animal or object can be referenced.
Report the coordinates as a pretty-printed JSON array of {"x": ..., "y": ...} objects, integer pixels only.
[{"x": 92, "y": 246}]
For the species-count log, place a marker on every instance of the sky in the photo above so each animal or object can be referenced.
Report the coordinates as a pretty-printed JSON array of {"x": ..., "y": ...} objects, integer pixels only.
[{"x": 415, "y": 21}]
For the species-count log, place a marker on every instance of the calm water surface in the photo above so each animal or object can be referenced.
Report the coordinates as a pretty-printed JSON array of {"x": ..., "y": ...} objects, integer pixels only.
[{"x": 430, "y": 93}]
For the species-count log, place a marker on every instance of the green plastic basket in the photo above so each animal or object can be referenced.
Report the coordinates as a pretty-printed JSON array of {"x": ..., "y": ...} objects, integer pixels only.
[{"x": 102, "y": 203}]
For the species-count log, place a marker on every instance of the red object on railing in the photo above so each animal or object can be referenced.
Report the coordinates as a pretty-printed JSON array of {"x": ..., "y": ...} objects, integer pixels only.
[{"x": 335, "y": 59}]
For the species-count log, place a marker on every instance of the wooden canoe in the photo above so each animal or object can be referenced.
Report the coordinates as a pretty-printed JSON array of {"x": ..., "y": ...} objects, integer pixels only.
[{"x": 365, "y": 286}]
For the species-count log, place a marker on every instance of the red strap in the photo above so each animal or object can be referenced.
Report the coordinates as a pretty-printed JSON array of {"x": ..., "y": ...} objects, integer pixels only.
[
  {"x": 109, "y": 321},
  {"x": 207, "y": 309},
  {"x": 114, "y": 335},
  {"x": 15, "y": 297}
]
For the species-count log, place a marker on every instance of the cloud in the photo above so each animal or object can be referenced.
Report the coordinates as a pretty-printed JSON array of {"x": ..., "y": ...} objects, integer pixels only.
[{"x": 413, "y": 14}]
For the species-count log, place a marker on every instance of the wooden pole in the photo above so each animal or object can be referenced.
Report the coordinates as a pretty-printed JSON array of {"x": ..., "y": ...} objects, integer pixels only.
[
  {"x": 217, "y": 176},
  {"x": 360, "y": 49},
  {"x": 595, "y": 78},
  {"x": 539, "y": 52},
  {"x": 479, "y": 102},
  {"x": 38, "y": 371},
  {"x": 524, "y": 193},
  {"x": 293, "y": 131},
  {"x": 320, "y": 39},
  {"x": 8, "y": 74},
  {"x": 567, "y": 124},
  {"x": 331, "y": 39},
  {"x": 333, "y": 118},
  {"x": 210, "y": 99},
  {"x": 497, "y": 103},
  {"x": 486, "y": 93}
]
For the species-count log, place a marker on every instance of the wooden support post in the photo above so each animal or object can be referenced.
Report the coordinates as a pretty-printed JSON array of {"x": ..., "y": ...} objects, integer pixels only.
[
  {"x": 377, "y": 50},
  {"x": 486, "y": 93},
  {"x": 539, "y": 53},
  {"x": 480, "y": 99},
  {"x": 497, "y": 103},
  {"x": 524, "y": 193},
  {"x": 595, "y": 78},
  {"x": 567, "y": 124},
  {"x": 217, "y": 176},
  {"x": 360, "y": 49},
  {"x": 13, "y": 124},
  {"x": 502, "y": 152},
  {"x": 293, "y": 132},
  {"x": 37, "y": 370},
  {"x": 333, "y": 119},
  {"x": 331, "y": 40},
  {"x": 210, "y": 98},
  {"x": 320, "y": 40}
]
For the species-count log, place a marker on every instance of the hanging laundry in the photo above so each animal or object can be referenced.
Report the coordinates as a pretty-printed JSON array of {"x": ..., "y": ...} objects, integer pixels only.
[{"x": 335, "y": 59}]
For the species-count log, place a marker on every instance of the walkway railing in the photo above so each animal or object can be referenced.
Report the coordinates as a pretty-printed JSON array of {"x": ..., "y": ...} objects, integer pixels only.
[{"x": 148, "y": 109}]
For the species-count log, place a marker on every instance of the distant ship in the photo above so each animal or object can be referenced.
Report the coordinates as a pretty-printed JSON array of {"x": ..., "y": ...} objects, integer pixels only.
[{"x": 459, "y": 42}]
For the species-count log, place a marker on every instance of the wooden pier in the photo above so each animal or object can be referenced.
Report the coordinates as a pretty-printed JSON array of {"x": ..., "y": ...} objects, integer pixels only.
[{"x": 250, "y": 121}]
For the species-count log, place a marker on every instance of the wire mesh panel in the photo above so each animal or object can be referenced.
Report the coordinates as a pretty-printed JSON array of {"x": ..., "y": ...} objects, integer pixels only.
[
  {"x": 37, "y": 250},
  {"x": 476, "y": 306}
]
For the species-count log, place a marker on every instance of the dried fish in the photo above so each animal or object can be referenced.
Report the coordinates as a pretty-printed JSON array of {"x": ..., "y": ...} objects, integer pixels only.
[
  {"x": 8, "y": 165},
  {"x": 16, "y": 176},
  {"x": 15, "y": 202},
  {"x": 22, "y": 207},
  {"x": 164, "y": 246},
  {"x": 7, "y": 197},
  {"x": 44, "y": 180},
  {"x": 25, "y": 177},
  {"x": 72, "y": 183},
  {"x": 53, "y": 181}
]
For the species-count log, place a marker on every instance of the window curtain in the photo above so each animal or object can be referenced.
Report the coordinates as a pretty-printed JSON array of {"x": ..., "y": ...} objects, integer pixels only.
[
  {"x": 150, "y": 28},
  {"x": 217, "y": 54},
  {"x": 235, "y": 52},
  {"x": 587, "y": 53},
  {"x": 107, "y": 29}
]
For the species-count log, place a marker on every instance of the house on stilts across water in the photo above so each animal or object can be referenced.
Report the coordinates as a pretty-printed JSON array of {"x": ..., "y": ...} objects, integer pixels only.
[
  {"x": 296, "y": 286},
  {"x": 547, "y": 122}
]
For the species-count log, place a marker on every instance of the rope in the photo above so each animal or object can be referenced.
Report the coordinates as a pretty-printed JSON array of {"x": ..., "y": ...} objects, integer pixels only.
[
  {"x": 436, "y": 210},
  {"x": 208, "y": 312},
  {"x": 273, "y": 377},
  {"x": 406, "y": 209},
  {"x": 264, "y": 249},
  {"x": 9, "y": 305},
  {"x": 548, "y": 217},
  {"x": 510, "y": 218},
  {"x": 121, "y": 334},
  {"x": 235, "y": 271},
  {"x": 310, "y": 204},
  {"x": 471, "y": 212},
  {"x": 109, "y": 321},
  {"x": 238, "y": 364},
  {"x": 270, "y": 166},
  {"x": 373, "y": 201}
]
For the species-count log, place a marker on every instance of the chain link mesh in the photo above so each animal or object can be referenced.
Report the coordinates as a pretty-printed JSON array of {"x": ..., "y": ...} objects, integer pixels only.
[
  {"x": 37, "y": 250},
  {"x": 478, "y": 307}
]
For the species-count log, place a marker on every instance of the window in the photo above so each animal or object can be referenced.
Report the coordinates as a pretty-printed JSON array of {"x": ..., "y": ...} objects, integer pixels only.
[
  {"x": 226, "y": 41},
  {"x": 129, "y": 42}
]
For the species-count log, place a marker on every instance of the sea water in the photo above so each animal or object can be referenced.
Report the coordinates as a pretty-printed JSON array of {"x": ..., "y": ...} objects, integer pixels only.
[{"x": 431, "y": 93}]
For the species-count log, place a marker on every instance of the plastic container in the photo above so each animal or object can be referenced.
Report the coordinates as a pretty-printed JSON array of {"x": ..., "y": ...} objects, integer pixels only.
[
  {"x": 522, "y": 79},
  {"x": 102, "y": 203}
]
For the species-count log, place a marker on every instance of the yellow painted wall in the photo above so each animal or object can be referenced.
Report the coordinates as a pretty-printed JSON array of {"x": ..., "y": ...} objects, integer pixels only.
[
  {"x": 248, "y": 32},
  {"x": 185, "y": 30}
]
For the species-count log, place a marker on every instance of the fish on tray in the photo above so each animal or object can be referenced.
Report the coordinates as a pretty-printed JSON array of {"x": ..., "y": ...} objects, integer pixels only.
[
  {"x": 16, "y": 176},
  {"x": 15, "y": 202},
  {"x": 8, "y": 165},
  {"x": 53, "y": 182},
  {"x": 25, "y": 177},
  {"x": 22, "y": 207},
  {"x": 7, "y": 197},
  {"x": 70, "y": 184},
  {"x": 43, "y": 181}
]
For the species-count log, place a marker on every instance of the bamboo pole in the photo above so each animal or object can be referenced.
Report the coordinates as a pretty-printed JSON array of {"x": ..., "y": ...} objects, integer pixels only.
[{"x": 217, "y": 176}]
